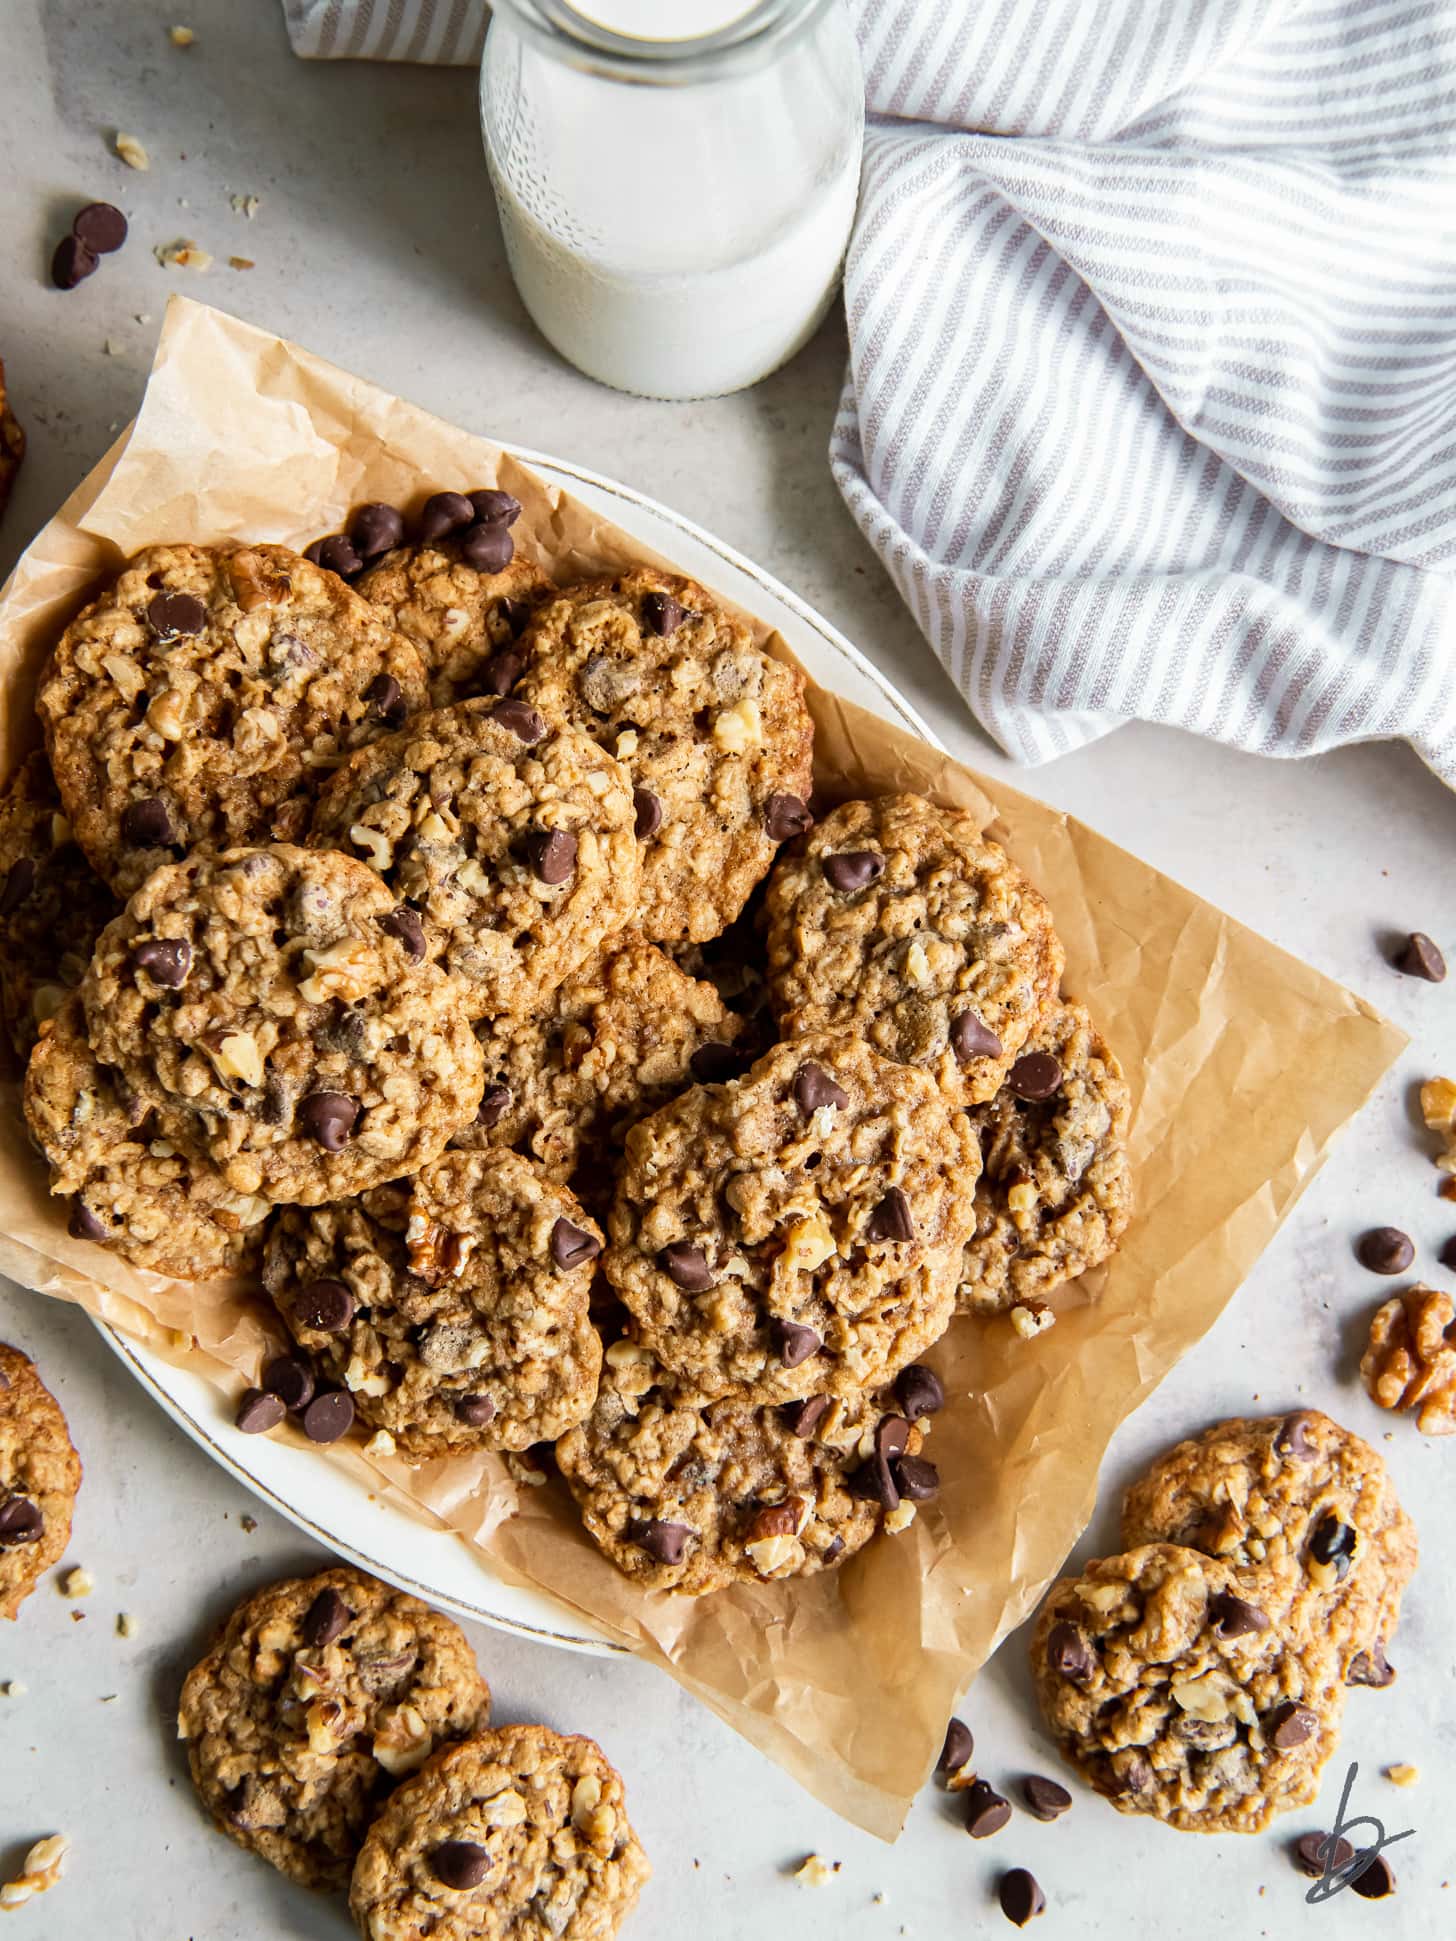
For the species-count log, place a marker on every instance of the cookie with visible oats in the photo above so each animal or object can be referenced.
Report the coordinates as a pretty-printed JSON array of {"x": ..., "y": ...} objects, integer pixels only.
[
  {"x": 131, "y": 1188},
  {"x": 517, "y": 1835},
  {"x": 899, "y": 920},
  {"x": 452, "y": 1307},
  {"x": 40, "y": 1474},
  {"x": 510, "y": 836},
  {"x": 52, "y": 904},
  {"x": 276, "y": 1007},
  {"x": 797, "y": 1231},
  {"x": 1175, "y": 1693},
  {"x": 316, "y": 1697},
  {"x": 463, "y": 623},
  {"x": 712, "y": 730},
  {"x": 206, "y": 693},
  {"x": 1055, "y": 1193}
]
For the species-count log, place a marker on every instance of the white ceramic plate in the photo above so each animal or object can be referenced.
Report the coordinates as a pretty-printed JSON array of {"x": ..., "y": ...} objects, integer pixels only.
[{"x": 329, "y": 1505}]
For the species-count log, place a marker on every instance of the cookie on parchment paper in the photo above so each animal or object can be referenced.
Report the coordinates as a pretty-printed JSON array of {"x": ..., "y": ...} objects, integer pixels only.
[
  {"x": 40, "y": 1474},
  {"x": 462, "y": 621}
]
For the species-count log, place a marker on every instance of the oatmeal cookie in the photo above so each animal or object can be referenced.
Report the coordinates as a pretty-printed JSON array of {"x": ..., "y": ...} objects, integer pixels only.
[
  {"x": 713, "y": 731},
  {"x": 1410, "y": 1358},
  {"x": 517, "y": 1835},
  {"x": 40, "y": 1474},
  {"x": 462, "y": 622},
  {"x": 797, "y": 1231},
  {"x": 131, "y": 1189},
  {"x": 1055, "y": 1193},
  {"x": 1300, "y": 1507},
  {"x": 1175, "y": 1693},
  {"x": 206, "y": 693},
  {"x": 274, "y": 1002},
  {"x": 52, "y": 904},
  {"x": 316, "y": 1696},
  {"x": 12, "y": 444},
  {"x": 899, "y": 920},
  {"x": 452, "y": 1307},
  {"x": 510, "y": 837}
]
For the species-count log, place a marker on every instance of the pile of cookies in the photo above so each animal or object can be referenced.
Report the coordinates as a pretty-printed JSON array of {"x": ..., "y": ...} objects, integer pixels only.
[{"x": 459, "y": 953}]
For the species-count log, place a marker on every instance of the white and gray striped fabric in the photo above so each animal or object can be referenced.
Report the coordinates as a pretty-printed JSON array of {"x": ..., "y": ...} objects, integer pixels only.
[{"x": 1151, "y": 401}]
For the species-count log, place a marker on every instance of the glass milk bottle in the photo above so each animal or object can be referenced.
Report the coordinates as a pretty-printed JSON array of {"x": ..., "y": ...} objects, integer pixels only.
[{"x": 676, "y": 179}]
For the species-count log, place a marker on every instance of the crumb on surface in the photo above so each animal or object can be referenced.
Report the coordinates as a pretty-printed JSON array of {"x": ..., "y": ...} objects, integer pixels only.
[
  {"x": 44, "y": 1865},
  {"x": 181, "y": 36},
  {"x": 815, "y": 1871},
  {"x": 249, "y": 1524},
  {"x": 77, "y": 1582},
  {"x": 132, "y": 153},
  {"x": 1402, "y": 1774},
  {"x": 126, "y": 1625},
  {"x": 184, "y": 254},
  {"x": 246, "y": 205},
  {"x": 13, "y": 1688},
  {"x": 241, "y": 263}
]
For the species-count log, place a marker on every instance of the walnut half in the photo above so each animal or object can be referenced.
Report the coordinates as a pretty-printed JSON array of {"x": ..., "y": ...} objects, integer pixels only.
[{"x": 1410, "y": 1358}]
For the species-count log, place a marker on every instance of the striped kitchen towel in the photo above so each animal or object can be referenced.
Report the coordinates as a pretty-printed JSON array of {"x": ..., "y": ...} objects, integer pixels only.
[{"x": 1151, "y": 401}]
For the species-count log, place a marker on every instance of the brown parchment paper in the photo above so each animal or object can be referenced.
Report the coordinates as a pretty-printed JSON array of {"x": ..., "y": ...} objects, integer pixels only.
[{"x": 845, "y": 1680}]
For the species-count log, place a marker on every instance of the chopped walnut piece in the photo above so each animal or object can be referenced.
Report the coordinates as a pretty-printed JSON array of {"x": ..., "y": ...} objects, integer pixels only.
[
  {"x": 816, "y": 1871},
  {"x": 1410, "y": 1358},
  {"x": 1401, "y": 1774},
  {"x": 132, "y": 153},
  {"x": 1438, "y": 1109},
  {"x": 44, "y": 1865}
]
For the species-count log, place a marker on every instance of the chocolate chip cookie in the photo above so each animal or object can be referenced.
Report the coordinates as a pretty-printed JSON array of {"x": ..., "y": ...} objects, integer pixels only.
[
  {"x": 712, "y": 730},
  {"x": 52, "y": 904},
  {"x": 40, "y": 1474},
  {"x": 1305, "y": 1508},
  {"x": 898, "y": 919},
  {"x": 275, "y": 1004},
  {"x": 462, "y": 621},
  {"x": 797, "y": 1231},
  {"x": 452, "y": 1307},
  {"x": 317, "y": 1695},
  {"x": 1177, "y": 1695},
  {"x": 509, "y": 837},
  {"x": 1055, "y": 1193},
  {"x": 131, "y": 1188},
  {"x": 205, "y": 695},
  {"x": 519, "y": 1833}
]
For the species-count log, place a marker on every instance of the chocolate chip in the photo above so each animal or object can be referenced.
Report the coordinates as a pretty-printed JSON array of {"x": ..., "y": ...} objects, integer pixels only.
[
  {"x": 813, "y": 1088},
  {"x": 1069, "y": 1653},
  {"x": 329, "y": 1117},
  {"x": 524, "y": 722},
  {"x": 386, "y": 700},
  {"x": 323, "y": 1306},
  {"x": 500, "y": 673},
  {"x": 1134, "y": 1773},
  {"x": 493, "y": 1103},
  {"x": 1375, "y": 1880},
  {"x": 920, "y": 1391},
  {"x": 21, "y": 1521},
  {"x": 1447, "y": 1255},
  {"x": 336, "y": 554},
  {"x": 958, "y": 1747},
  {"x": 100, "y": 226},
  {"x": 785, "y": 817},
  {"x": 1370, "y": 1668},
  {"x": 714, "y": 1063},
  {"x": 488, "y": 548},
  {"x": 1312, "y": 1857},
  {"x": 1421, "y": 958},
  {"x": 146, "y": 824},
  {"x": 176, "y": 616},
  {"x": 72, "y": 263},
  {"x": 664, "y": 1541},
  {"x": 258, "y": 1412},
  {"x": 891, "y": 1218},
  {"x": 917, "y": 1480},
  {"x": 329, "y": 1416},
  {"x": 19, "y": 882},
  {"x": 1288, "y": 1726},
  {"x": 164, "y": 960},
  {"x": 1045, "y": 1799},
  {"x": 876, "y": 1478},
  {"x": 1385, "y": 1250},
  {"x": 84, "y": 1224},
  {"x": 853, "y": 869},
  {"x": 409, "y": 926},
  {"x": 1333, "y": 1543},
  {"x": 661, "y": 614},
  {"x": 649, "y": 813},
  {"x": 475, "y": 1411},
  {"x": 459, "y": 1864},
  {"x": 1020, "y": 1896},
  {"x": 686, "y": 1266},
  {"x": 969, "y": 1039},
  {"x": 572, "y": 1246},
  {"x": 375, "y": 528},
  {"x": 1035, "y": 1075},
  {"x": 793, "y": 1342},
  {"x": 1231, "y": 1617},
  {"x": 291, "y": 1379},
  {"x": 495, "y": 508},
  {"x": 442, "y": 513},
  {"x": 326, "y": 1619},
  {"x": 1292, "y": 1437},
  {"x": 550, "y": 854},
  {"x": 801, "y": 1419},
  {"x": 986, "y": 1811}
]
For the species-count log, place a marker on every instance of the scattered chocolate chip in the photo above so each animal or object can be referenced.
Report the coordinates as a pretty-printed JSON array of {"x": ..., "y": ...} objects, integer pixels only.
[
  {"x": 21, "y": 1521},
  {"x": 1292, "y": 1437},
  {"x": 1045, "y": 1799},
  {"x": 72, "y": 263},
  {"x": 813, "y": 1088},
  {"x": 917, "y": 1480},
  {"x": 409, "y": 926},
  {"x": 326, "y": 1619},
  {"x": 969, "y": 1039},
  {"x": 664, "y": 1541},
  {"x": 1069, "y": 1653},
  {"x": 442, "y": 513},
  {"x": 686, "y": 1266},
  {"x": 958, "y": 1747},
  {"x": 1421, "y": 958},
  {"x": 1020, "y": 1896},
  {"x": 1370, "y": 1668},
  {"x": 1035, "y": 1075},
  {"x": 258, "y": 1412},
  {"x": 386, "y": 700},
  {"x": 572, "y": 1246},
  {"x": 785, "y": 817},
  {"x": 459, "y": 1864},
  {"x": 1291, "y": 1725},
  {"x": 524, "y": 722},
  {"x": 146, "y": 824},
  {"x": 1231, "y": 1617},
  {"x": 649, "y": 813},
  {"x": 375, "y": 528},
  {"x": 1333, "y": 1543},
  {"x": 661, "y": 614},
  {"x": 495, "y": 508},
  {"x": 714, "y": 1063},
  {"x": 986, "y": 1811},
  {"x": 801, "y": 1419},
  {"x": 329, "y": 1415},
  {"x": 329, "y": 1117},
  {"x": 891, "y": 1218},
  {"x": 1311, "y": 1851},
  {"x": 84, "y": 1225},
  {"x": 1375, "y": 1880},
  {"x": 164, "y": 960},
  {"x": 19, "y": 882},
  {"x": 493, "y": 1103},
  {"x": 488, "y": 548},
  {"x": 853, "y": 869},
  {"x": 291, "y": 1379},
  {"x": 176, "y": 616},
  {"x": 1385, "y": 1250},
  {"x": 920, "y": 1391},
  {"x": 500, "y": 673},
  {"x": 100, "y": 226},
  {"x": 793, "y": 1342},
  {"x": 324, "y": 1306},
  {"x": 336, "y": 554},
  {"x": 475, "y": 1410},
  {"x": 550, "y": 854},
  {"x": 1447, "y": 1255}
]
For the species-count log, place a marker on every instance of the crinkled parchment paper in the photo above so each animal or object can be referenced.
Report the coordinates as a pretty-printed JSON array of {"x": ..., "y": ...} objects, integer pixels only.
[{"x": 845, "y": 1680}]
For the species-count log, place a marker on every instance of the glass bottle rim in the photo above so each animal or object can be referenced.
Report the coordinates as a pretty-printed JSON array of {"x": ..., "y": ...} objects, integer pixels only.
[{"x": 559, "y": 29}]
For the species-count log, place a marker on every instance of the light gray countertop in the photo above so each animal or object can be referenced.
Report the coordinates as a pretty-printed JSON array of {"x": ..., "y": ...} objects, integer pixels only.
[{"x": 375, "y": 243}]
